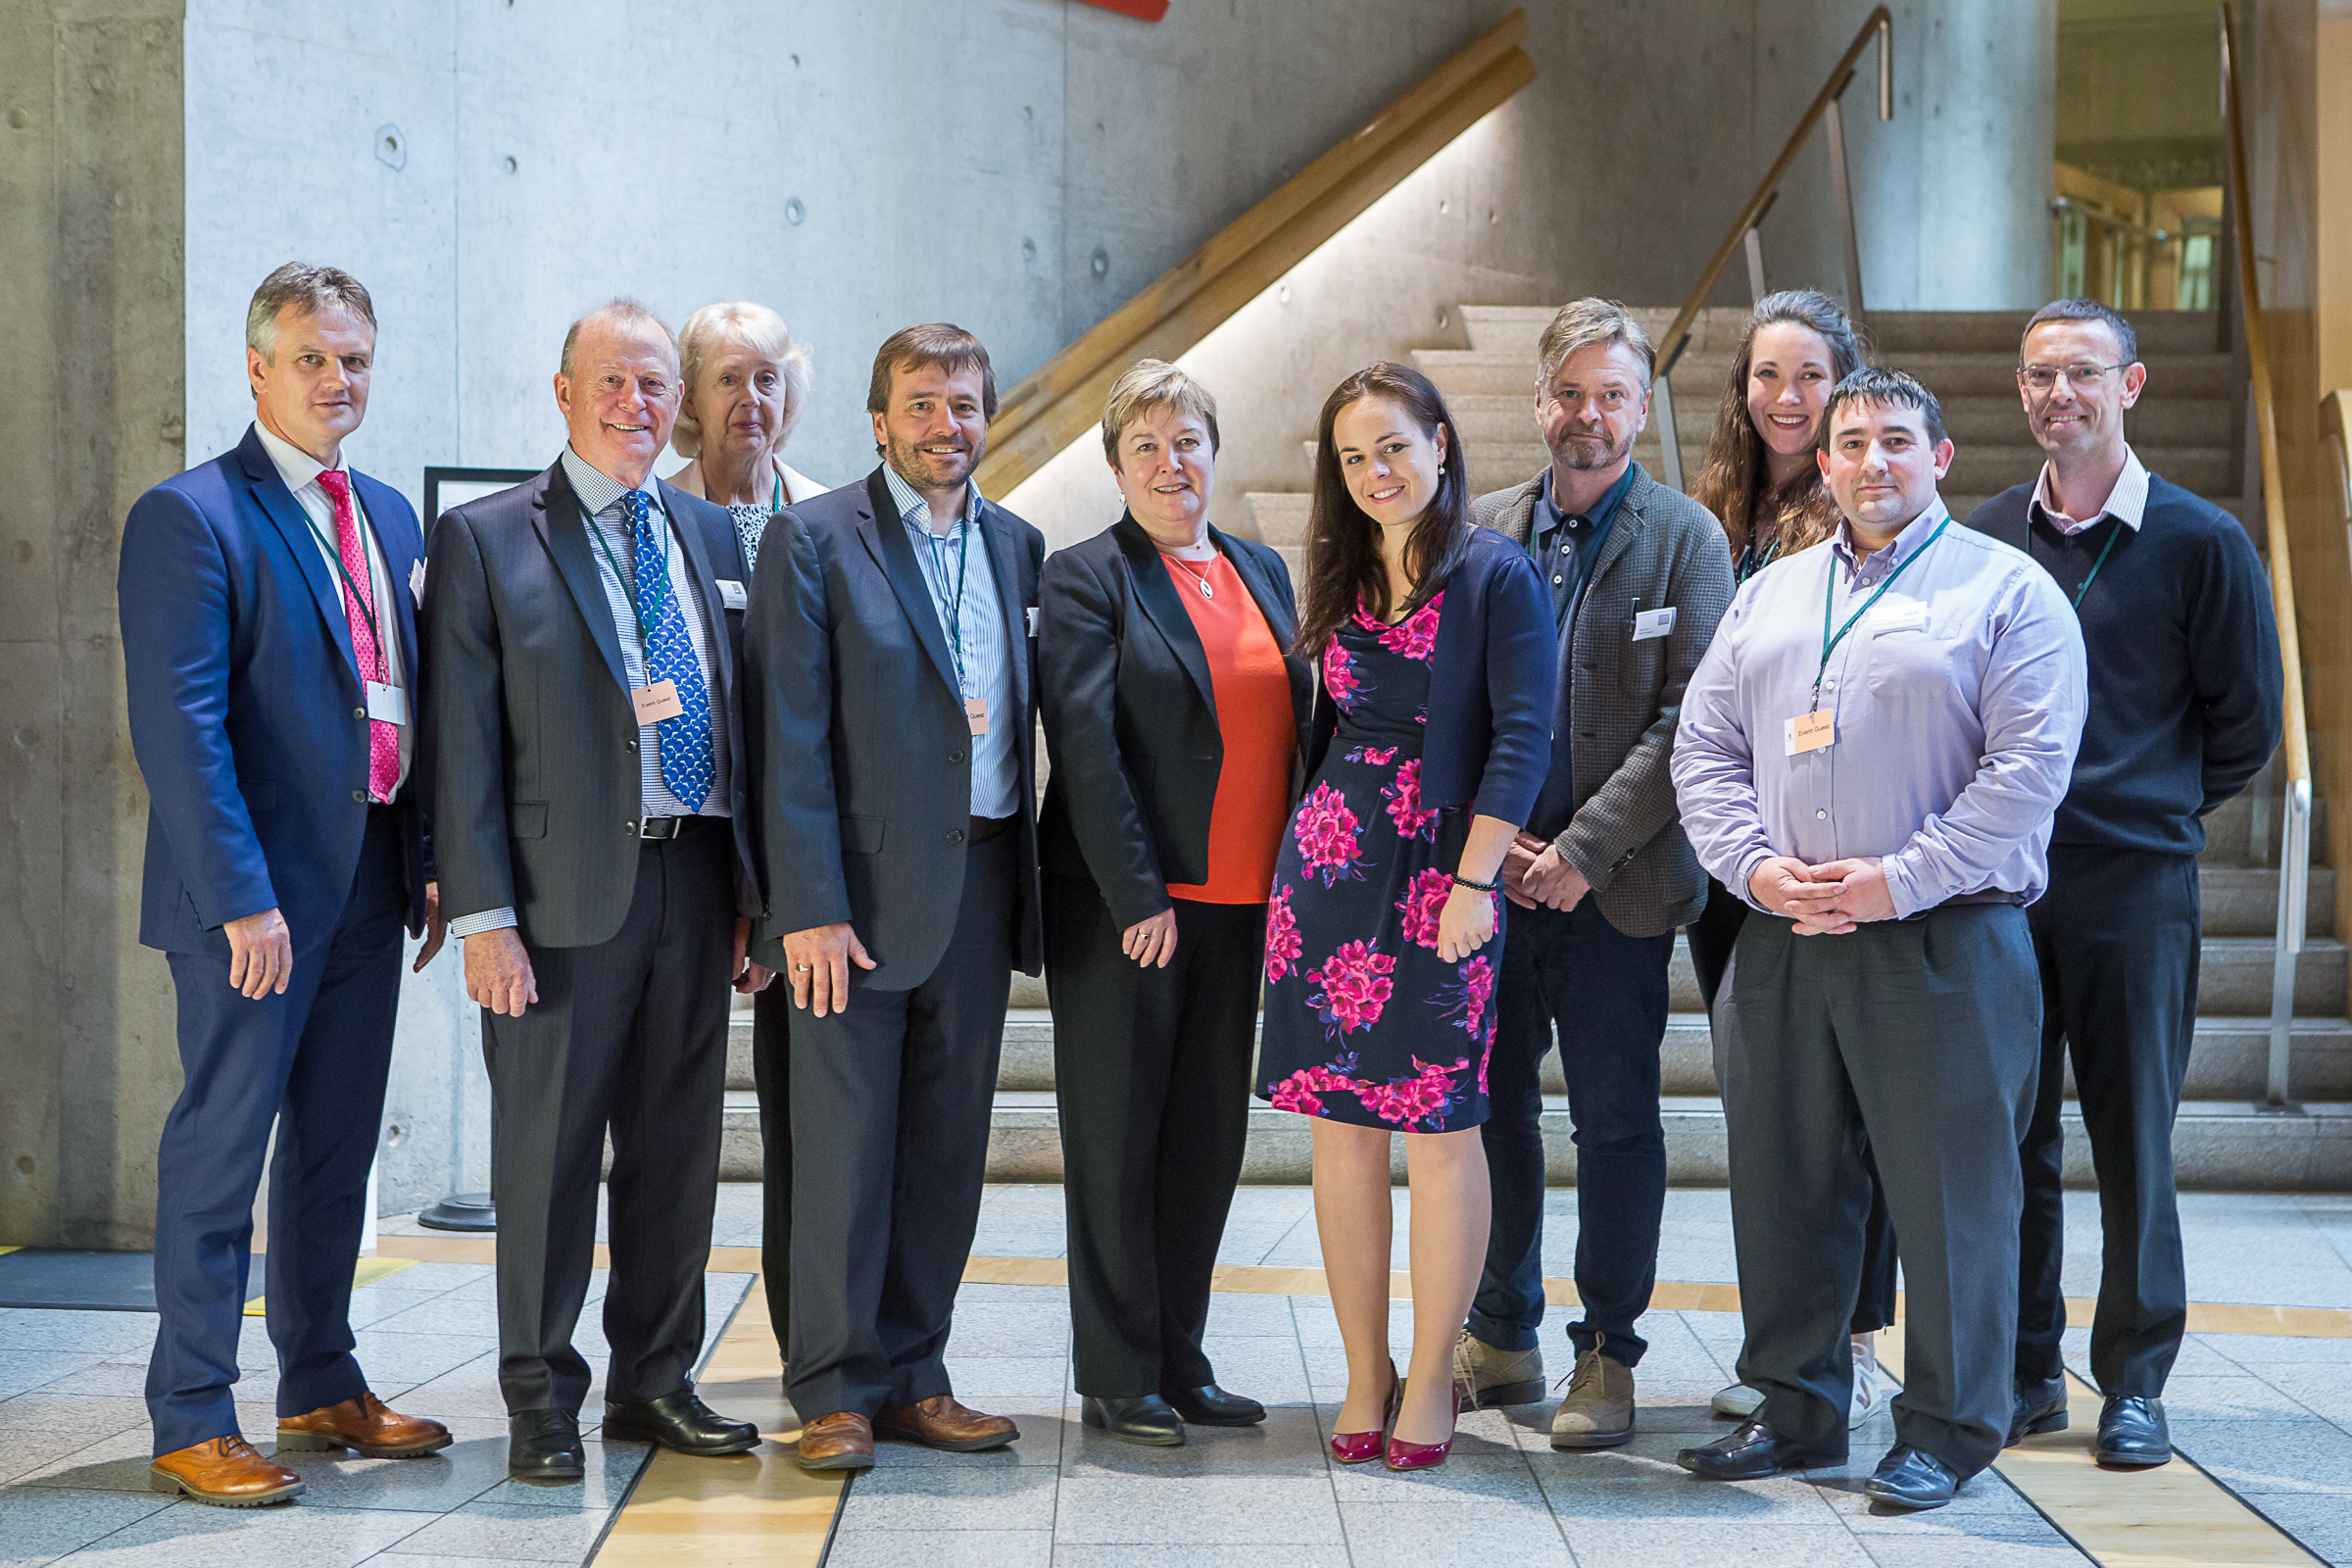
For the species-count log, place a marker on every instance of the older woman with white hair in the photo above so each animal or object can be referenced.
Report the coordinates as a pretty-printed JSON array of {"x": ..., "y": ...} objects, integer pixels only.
[{"x": 746, "y": 387}]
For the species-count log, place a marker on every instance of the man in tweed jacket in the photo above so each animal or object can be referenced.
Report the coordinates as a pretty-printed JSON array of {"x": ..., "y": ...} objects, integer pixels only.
[{"x": 1640, "y": 575}]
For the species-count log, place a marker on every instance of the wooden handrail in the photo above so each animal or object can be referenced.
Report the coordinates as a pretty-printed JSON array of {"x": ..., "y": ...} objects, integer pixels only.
[
  {"x": 1669, "y": 347},
  {"x": 2266, "y": 415},
  {"x": 2336, "y": 430},
  {"x": 1059, "y": 401}
]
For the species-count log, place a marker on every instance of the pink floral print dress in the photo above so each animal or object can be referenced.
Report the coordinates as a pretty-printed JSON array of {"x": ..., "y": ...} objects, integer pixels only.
[{"x": 1364, "y": 1022}]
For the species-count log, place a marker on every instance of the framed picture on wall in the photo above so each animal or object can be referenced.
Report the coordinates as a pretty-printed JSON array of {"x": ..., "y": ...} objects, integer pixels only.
[{"x": 445, "y": 488}]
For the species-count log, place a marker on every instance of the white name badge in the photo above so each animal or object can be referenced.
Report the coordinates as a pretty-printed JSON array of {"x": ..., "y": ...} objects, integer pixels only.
[
  {"x": 656, "y": 701},
  {"x": 1650, "y": 624},
  {"x": 976, "y": 713},
  {"x": 1899, "y": 614},
  {"x": 416, "y": 582},
  {"x": 389, "y": 704},
  {"x": 731, "y": 595},
  {"x": 1032, "y": 620},
  {"x": 1810, "y": 732}
]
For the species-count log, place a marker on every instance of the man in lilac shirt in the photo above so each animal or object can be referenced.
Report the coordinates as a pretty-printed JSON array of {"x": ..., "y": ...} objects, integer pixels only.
[{"x": 1880, "y": 773}]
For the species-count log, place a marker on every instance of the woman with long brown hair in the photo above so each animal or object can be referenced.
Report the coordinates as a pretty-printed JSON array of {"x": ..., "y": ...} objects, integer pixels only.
[
  {"x": 1434, "y": 642},
  {"x": 1763, "y": 481}
]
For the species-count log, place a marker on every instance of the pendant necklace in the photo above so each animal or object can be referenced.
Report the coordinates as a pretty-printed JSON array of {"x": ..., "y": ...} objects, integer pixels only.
[{"x": 1206, "y": 592}]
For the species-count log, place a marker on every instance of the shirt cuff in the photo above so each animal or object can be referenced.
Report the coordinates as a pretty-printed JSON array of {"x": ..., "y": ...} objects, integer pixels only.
[
  {"x": 473, "y": 925},
  {"x": 1902, "y": 888},
  {"x": 1747, "y": 874}
]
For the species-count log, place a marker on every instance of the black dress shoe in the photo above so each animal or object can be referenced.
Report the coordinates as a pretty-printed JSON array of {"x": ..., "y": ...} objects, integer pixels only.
[
  {"x": 1909, "y": 1479},
  {"x": 2131, "y": 1433},
  {"x": 1211, "y": 1406},
  {"x": 2041, "y": 1407},
  {"x": 544, "y": 1446},
  {"x": 1144, "y": 1418},
  {"x": 681, "y": 1423},
  {"x": 1751, "y": 1453}
]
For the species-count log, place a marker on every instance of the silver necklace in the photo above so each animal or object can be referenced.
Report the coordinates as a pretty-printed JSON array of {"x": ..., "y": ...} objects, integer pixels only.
[{"x": 1206, "y": 592}]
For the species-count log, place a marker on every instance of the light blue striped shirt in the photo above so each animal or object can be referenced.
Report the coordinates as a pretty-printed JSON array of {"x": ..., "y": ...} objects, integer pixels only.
[
  {"x": 600, "y": 500},
  {"x": 976, "y": 643}
]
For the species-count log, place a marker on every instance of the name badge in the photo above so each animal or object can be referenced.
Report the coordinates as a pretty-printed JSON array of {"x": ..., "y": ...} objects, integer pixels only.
[
  {"x": 389, "y": 704},
  {"x": 1899, "y": 614},
  {"x": 416, "y": 582},
  {"x": 656, "y": 701},
  {"x": 1032, "y": 620},
  {"x": 731, "y": 595},
  {"x": 1650, "y": 624},
  {"x": 1812, "y": 732},
  {"x": 976, "y": 713}
]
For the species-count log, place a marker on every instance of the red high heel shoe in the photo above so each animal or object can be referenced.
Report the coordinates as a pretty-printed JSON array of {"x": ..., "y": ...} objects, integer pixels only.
[
  {"x": 1359, "y": 1447},
  {"x": 1404, "y": 1455}
]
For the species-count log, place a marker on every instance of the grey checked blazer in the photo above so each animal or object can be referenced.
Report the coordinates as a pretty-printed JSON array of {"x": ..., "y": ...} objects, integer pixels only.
[{"x": 1623, "y": 697}]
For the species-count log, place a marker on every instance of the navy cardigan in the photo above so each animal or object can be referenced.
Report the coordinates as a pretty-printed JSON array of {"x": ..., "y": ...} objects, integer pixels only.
[{"x": 1492, "y": 682}]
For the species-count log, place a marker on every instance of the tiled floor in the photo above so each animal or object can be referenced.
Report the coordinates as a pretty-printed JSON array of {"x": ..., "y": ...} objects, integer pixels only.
[{"x": 2272, "y": 1417}]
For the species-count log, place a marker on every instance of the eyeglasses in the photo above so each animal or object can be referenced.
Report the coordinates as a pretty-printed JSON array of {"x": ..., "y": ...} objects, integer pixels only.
[{"x": 2042, "y": 378}]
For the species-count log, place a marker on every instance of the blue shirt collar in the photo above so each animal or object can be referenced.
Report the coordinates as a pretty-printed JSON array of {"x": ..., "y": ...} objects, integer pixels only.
[
  {"x": 915, "y": 513},
  {"x": 1914, "y": 536},
  {"x": 599, "y": 491},
  {"x": 1550, "y": 516}
]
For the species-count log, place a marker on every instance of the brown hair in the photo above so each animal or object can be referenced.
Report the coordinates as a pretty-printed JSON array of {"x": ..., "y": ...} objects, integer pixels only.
[
  {"x": 1343, "y": 553},
  {"x": 940, "y": 343},
  {"x": 1733, "y": 484}
]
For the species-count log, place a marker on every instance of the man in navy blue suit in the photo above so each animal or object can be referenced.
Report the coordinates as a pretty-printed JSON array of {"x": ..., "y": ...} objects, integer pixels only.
[{"x": 269, "y": 646}]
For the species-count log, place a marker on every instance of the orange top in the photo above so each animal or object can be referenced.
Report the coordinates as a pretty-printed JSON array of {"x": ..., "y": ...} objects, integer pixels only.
[{"x": 1252, "y": 691}]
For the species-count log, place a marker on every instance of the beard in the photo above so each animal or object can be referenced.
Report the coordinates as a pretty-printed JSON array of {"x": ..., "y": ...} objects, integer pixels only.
[
  {"x": 1577, "y": 449},
  {"x": 926, "y": 472}
]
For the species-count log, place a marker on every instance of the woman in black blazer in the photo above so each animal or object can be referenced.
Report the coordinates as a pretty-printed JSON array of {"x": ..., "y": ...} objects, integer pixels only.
[{"x": 1175, "y": 719}]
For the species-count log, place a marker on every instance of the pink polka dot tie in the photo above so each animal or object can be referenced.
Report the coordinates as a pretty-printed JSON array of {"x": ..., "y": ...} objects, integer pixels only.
[{"x": 358, "y": 604}]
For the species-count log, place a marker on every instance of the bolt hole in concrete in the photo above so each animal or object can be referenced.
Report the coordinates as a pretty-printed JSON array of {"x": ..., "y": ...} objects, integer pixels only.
[
  {"x": 1100, "y": 261},
  {"x": 391, "y": 147},
  {"x": 793, "y": 211},
  {"x": 512, "y": 166}
]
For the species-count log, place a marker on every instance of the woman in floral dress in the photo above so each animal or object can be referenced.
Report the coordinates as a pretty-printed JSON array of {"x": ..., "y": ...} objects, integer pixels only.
[{"x": 1437, "y": 652}]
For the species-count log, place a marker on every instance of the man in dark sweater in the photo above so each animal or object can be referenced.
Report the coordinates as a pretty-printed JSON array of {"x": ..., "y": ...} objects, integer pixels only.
[{"x": 2185, "y": 685}]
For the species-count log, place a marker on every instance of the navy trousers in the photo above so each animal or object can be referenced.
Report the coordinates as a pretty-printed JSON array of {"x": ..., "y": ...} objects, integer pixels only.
[
  {"x": 1606, "y": 992},
  {"x": 314, "y": 1059}
]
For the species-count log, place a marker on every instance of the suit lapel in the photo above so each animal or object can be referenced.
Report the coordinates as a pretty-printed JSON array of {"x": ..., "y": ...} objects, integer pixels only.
[
  {"x": 1156, "y": 594},
  {"x": 1626, "y": 527},
  {"x": 1010, "y": 599},
  {"x": 564, "y": 531},
  {"x": 705, "y": 588},
  {"x": 277, "y": 503},
  {"x": 1252, "y": 574},
  {"x": 886, "y": 538}
]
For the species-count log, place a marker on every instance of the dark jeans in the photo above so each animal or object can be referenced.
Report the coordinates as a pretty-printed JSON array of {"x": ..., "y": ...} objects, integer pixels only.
[
  {"x": 1606, "y": 993},
  {"x": 2117, "y": 937}
]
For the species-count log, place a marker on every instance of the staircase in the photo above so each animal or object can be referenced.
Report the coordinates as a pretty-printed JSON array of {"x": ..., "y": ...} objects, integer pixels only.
[{"x": 2184, "y": 428}]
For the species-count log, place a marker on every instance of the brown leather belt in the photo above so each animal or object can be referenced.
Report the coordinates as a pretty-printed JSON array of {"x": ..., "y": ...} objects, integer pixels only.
[{"x": 984, "y": 828}]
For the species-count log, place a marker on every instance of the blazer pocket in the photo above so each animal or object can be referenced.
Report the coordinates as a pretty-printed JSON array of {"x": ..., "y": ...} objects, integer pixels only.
[
  {"x": 861, "y": 835},
  {"x": 528, "y": 820}
]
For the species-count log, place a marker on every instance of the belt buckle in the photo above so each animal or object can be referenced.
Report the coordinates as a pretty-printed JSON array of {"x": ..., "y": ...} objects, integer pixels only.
[{"x": 658, "y": 827}]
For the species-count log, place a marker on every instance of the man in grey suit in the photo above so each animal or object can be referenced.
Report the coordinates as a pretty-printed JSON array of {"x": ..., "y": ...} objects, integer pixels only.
[
  {"x": 891, "y": 690},
  {"x": 1639, "y": 574},
  {"x": 590, "y": 801}
]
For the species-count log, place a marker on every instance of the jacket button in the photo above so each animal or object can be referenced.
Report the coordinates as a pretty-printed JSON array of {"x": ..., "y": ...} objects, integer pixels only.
[
  {"x": 358, "y": 712},
  {"x": 631, "y": 745},
  {"x": 359, "y": 796},
  {"x": 628, "y": 827},
  {"x": 956, "y": 835},
  {"x": 954, "y": 757}
]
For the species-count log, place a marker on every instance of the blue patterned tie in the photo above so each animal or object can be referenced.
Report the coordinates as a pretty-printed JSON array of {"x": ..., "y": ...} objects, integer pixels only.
[{"x": 686, "y": 766}]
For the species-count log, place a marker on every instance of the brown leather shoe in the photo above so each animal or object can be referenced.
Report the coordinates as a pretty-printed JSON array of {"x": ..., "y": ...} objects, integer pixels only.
[
  {"x": 365, "y": 1426},
  {"x": 226, "y": 1473},
  {"x": 940, "y": 1422},
  {"x": 842, "y": 1441}
]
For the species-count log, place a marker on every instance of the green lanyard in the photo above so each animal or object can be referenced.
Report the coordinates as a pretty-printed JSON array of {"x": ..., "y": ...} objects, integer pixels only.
[
  {"x": 628, "y": 586},
  {"x": 1749, "y": 566},
  {"x": 964, "y": 570},
  {"x": 777, "y": 503},
  {"x": 2101, "y": 562},
  {"x": 1829, "y": 593}
]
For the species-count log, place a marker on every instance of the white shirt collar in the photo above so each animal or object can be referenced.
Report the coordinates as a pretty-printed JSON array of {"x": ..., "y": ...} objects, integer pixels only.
[
  {"x": 2127, "y": 503},
  {"x": 294, "y": 466}
]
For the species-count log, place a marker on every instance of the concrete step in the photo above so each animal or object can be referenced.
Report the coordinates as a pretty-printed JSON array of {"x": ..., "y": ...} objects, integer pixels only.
[
  {"x": 2229, "y": 833},
  {"x": 1894, "y": 332},
  {"x": 2216, "y": 1148}
]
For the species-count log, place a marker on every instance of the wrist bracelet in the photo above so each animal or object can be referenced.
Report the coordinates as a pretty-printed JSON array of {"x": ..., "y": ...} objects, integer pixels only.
[{"x": 1461, "y": 881}]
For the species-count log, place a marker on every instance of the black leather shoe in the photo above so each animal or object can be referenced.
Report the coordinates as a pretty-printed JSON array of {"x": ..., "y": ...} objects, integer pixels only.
[
  {"x": 1144, "y": 1418},
  {"x": 1909, "y": 1479},
  {"x": 1751, "y": 1453},
  {"x": 544, "y": 1446},
  {"x": 1211, "y": 1406},
  {"x": 2132, "y": 1434},
  {"x": 2041, "y": 1407},
  {"x": 681, "y": 1423}
]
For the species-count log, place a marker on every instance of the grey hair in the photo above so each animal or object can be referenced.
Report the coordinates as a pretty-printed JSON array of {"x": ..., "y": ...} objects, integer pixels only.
[
  {"x": 2083, "y": 311},
  {"x": 619, "y": 309},
  {"x": 1148, "y": 386},
  {"x": 1580, "y": 324},
  {"x": 311, "y": 289},
  {"x": 742, "y": 324}
]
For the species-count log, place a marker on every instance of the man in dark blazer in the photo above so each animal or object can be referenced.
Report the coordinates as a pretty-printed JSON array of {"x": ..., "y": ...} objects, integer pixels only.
[
  {"x": 270, "y": 648},
  {"x": 1640, "y": 575},
  {"x": 590, "y": 774},
  {"x": 2186, "y": 687},
  {"x": 890, "y": 656}
]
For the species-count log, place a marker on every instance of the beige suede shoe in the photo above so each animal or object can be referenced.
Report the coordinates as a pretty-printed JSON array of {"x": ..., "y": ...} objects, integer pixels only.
[
  {"x": 1598, "y": 1412},
  {"x": 1486, "y": 1377}
]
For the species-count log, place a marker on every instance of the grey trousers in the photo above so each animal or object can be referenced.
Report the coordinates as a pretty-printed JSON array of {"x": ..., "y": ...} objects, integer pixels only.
[{"x": 1922, "y": 1038}]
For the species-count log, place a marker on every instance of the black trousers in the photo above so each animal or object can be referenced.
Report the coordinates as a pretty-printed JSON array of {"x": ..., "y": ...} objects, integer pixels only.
[
  {"x": 631, "y": 1036},
  {"x": 1605, "y": 993},
  {"x": 1920, "y": 1037},
  {"x": 1151, "y": 1069},
  {"x": 771, "y": 1075},
  {"x": 2117, "y": 937},
  {"x": 890, "y": 1115},
  {"x": 1712, "y": 937}
]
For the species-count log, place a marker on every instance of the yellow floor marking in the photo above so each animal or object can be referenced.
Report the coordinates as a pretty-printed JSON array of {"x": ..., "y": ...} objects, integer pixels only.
[
  {"x": 2170, "y": 1516},
  {"x": 365, "y": 1272},
  {"x": 749, "y": 1510},
  {"x": 7, "y": 1249}
]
